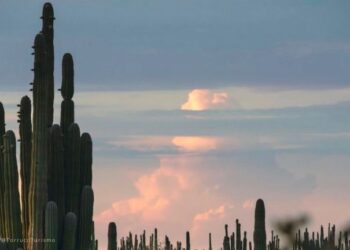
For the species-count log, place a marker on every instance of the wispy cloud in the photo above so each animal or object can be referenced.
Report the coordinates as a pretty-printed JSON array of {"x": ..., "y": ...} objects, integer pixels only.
[{"x": 196, "y": 143}]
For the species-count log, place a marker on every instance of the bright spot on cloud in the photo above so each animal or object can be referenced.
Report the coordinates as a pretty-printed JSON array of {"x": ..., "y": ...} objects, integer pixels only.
[
  {"x": 203, "y": 99},
  {"x": 195, "y": 143}
]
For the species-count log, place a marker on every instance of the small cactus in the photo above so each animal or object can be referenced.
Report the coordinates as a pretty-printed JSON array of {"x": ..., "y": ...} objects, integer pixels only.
[{"x": 70, "y": 229}]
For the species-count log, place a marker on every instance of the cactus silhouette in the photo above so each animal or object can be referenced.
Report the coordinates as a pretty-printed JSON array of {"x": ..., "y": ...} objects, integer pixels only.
[
  {"x": 56, "y": 176},
  {"x": 112, "y": 236},
  {"x": 259, "y": 226},
  {"x": 25, "y": 132},
  {"x": 51, "y": 226}
]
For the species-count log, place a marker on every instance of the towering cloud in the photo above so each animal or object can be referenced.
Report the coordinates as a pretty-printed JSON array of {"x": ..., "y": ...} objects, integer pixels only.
[{"x": 203, "y": 99}]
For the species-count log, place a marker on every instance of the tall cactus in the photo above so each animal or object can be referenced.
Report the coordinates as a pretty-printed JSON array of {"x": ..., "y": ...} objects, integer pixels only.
[
  {"x": 25, "y": 132},
  {"x": 48, "y": 32},
  {"x": 238, "y": 236},
  {"x": 210, "y": 243},
  {"x": 259, "y": 226},
  {"x": 85, "y": 221},
  {"x": 156, "y": 239},
  {"x": 51, "y": 226},
  {"x": 2, "y": 211},
  {"x": 112, "y": 236},
  {"x": 72, "y": 169},
  {"x": 56, "y": 175},
  {"x": 13, "y": 224},
  {"x": 188, "y": 241},
  {"x": 38, "y": 182}
]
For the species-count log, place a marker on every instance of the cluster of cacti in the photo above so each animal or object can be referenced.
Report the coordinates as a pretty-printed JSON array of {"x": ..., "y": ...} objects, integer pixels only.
[
  {"x": 233, "y": 241},
  {"x": 55, "y": 209},
  {"x": 320, "y": 241}
]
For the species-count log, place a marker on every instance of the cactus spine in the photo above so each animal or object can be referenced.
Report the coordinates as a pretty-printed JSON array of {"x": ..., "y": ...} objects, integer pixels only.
[
  {"x": 259, "y": 226},
  {"x": 51, "y": 226},
  {"x": 112, "y": 236}
]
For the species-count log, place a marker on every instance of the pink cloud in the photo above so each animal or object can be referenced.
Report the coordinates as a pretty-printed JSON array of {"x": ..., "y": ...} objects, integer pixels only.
[
  {"x": 156, "y": 192},
  {"x": 210, "y": 214},
  {"x": 196, "y": 143},
  {"x": 203, "y": 99},
  {"x": 248, "y": 204}
]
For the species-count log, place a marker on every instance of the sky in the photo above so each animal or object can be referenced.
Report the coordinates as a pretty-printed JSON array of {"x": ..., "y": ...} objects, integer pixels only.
[{"x": 198, "y": 108}]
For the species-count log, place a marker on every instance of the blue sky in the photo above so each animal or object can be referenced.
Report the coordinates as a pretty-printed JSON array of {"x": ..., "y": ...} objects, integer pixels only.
[
  {"x": 140, "y": 45},
  {"x": 198, "y": 108}
]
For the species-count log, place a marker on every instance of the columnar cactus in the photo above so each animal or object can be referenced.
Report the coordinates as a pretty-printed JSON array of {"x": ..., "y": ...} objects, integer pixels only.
[
  {"x": 94, "y": 242},
  {"x": 188, "y": 241},
  {"x": 85, "y": 160},
  {"x": 156, "y": 239},
  {"x": 210, "y": 243},
  {"x": 2, "y": 132},
  {"x": 38, "y": 182},
  {"x": 167, "y": 243},
  {"x": 179, "y": 245},
  {"x": 48, "y": 32},
  {"x": 70, "y": 229},
  {"x": 112, "y": 236},
  {"x": 67, "y": 92},
  {"x": 51, "y": 226},
  {"x": 25, "y": 132},
  {"x": 72, "y": 169},
  {"x": 12, "y": 208},
  {"x": 85, "y": 221},
  {"x": 232, "y": 240},
  {"x": 245, "y": 240},
  {"x": 259, "y": 226},
  {"x": 56, "y": 175},
  {"x": 226, "y": 242},
  {"x": 53, "y": 169},
  {"x": 238, "y": 235},
  {"x": 143, "y": 240}
]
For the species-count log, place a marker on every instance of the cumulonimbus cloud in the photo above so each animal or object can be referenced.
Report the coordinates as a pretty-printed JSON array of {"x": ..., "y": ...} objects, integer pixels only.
[
  {"x": 203, "y": 99},
  {"x": 156, "y": 192}
]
